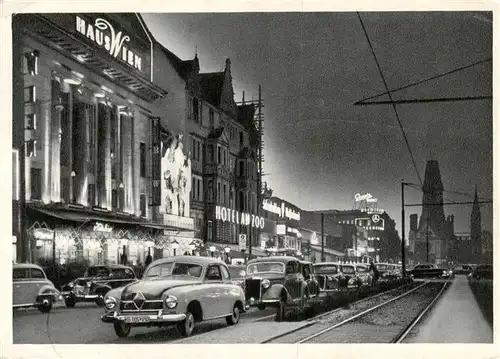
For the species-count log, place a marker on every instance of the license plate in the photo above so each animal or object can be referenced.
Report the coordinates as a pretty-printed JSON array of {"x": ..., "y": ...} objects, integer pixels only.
[{"x": 136, "y": 319}]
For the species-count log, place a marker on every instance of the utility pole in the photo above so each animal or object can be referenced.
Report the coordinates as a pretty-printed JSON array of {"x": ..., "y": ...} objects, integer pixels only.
[
  {"x": 427, "y": 237},
  {"x": 322, "y": 237},
  {"x": 403, "y": 244}
]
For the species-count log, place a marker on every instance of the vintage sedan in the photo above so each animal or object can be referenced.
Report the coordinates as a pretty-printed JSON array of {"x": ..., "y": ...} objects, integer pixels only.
[
  {"x": 310, "y": 277},
  {"x": 276, "y": 281},
  {"x": 179, "y": 290},
  {"x": 96, "y": 282},
  {"x": 328, "y": 275},
  {"x": 365, "y": 278},
  {"x": 31, "y": 288}
]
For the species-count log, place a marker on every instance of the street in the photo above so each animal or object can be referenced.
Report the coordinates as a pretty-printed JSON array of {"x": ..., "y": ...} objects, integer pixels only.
[{"x": 82, "y": 325}]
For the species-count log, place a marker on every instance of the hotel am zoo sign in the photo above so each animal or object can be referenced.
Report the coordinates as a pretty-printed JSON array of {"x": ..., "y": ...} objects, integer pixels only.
[{"x": 233, "y": 216}]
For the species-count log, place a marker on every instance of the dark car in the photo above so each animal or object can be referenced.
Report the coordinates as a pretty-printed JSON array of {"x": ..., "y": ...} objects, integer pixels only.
[
  {"x": 429, "y": 271},
  {"x": 465, "y": 269},
  {"x": 482, "y": 271},
  {"x": 96, "y": 282},
  {"x": 328, "y": 275},
  {"x": 276, "y": 281},
  {"x": 310, "y": 277}
]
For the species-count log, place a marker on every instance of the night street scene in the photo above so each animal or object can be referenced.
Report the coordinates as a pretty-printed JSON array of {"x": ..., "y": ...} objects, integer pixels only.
[{"x": 223, "y": 178}]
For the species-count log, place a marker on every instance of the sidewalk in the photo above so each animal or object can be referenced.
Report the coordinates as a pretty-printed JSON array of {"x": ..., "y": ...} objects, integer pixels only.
[{"x": 456, "y": 318}]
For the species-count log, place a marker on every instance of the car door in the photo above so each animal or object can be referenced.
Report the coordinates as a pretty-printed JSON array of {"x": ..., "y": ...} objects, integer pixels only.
[
  {"x": 228, "y": 291},
  {"x": 212, "y": 293},
  {"x": 20, "y": 295},
  {"x": 294, "y": 280}
]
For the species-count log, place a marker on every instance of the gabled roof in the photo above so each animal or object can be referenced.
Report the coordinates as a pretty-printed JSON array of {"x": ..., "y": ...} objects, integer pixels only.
[
  {"x": 183, "y": 67},
  {"x": 211, "y": 85}
]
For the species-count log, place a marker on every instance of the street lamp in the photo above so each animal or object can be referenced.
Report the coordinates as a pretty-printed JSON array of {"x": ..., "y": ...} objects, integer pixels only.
[
  {"x": 175, "y": 246},
  {"x": 227, "y": 250},
  {"x": 212, "y": 250}
]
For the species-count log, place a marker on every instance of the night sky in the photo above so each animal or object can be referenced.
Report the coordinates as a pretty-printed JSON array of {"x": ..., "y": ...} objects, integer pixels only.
[{"x": 320, "y": 149}]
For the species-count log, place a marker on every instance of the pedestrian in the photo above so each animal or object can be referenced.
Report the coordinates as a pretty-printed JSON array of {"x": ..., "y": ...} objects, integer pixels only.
[
  {"x": 149, "y": 259},
  {"x": 376, "y": 274}
]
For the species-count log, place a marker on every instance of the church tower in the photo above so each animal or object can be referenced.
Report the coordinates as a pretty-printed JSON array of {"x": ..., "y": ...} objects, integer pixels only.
[
  {"x": 475, "y": 229},
  {"x": 432, "y": 217}
]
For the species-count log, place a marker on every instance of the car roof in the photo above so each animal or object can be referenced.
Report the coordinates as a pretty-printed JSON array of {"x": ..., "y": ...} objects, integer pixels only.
[
  {"x": 189, "y": 259},
  {"x": 26, "y": 265},
  {"x": 280, "y": 259}
]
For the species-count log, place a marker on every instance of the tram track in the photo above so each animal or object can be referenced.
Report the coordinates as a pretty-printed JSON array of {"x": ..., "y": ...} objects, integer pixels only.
[{"x": 368, "y": 324}]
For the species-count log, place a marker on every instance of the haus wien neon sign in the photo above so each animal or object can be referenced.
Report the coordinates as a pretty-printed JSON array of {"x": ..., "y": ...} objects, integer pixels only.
[
  {"x": 230, "y": 215},
  {"x": 104, "y": 34}
]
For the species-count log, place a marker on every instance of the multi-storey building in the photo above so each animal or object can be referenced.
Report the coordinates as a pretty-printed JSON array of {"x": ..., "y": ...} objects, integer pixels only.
[{"x": 99, "y": 118}]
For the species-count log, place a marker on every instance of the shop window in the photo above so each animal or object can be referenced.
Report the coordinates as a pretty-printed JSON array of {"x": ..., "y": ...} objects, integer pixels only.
[
  {"x": 143, "y": 205},
  {"x": 30, "y": 63},
  {"x": 30, "y": 121},
  {"x": 143, "y": 159},
  {"x": 36, "y": 183},
  {"x": 30, "y": 94}
]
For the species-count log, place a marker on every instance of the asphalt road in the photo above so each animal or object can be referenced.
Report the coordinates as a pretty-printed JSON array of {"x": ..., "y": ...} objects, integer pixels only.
[{"x": 82, "y": 325}]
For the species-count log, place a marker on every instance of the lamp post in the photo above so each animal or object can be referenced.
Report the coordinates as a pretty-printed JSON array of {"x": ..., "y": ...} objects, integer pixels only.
[
  {"x": 212, "y": 250},
  {"x": 175, "y": 246},
  {"x": 403, "y": 241},
  {"x": 227, "y": 250}
]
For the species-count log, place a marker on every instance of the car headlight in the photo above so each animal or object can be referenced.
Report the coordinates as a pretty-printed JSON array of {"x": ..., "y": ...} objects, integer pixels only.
[
  {"x": 171, "y": 302},
  {"x": 110, "y": 302},
  {"x": 89, "y": 284},
  {"x": 266, "y": 283},
  {"x": 351, "y": 281}
]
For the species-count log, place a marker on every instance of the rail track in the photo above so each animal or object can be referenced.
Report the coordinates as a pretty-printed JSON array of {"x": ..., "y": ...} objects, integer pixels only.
[{"x": 310, "y": 334}]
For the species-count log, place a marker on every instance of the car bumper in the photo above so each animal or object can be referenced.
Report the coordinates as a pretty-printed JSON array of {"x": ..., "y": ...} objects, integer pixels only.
[
  {"x": 142, "y": 318},
  {"x": 252, "y": 302},
  {"x": 78, "y": 297}
]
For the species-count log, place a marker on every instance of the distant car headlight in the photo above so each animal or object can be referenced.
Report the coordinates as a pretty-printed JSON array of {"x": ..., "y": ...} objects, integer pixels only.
[
  {"x": 351, "y": 281},
  {"x": 89, "y": 284},
  {"x": 171, "y": 302},
  {"x": 110, "y": 302},
  {"x": 266, "y": 283}
]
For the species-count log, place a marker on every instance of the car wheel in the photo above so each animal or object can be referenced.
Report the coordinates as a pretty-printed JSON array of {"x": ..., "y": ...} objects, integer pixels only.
[
  {"x": 280, "y": 311},
  {"x": 261, "y": 306},
  {"x": 45, "y": 308},
  {"x": 186, "y": 327},
  {"x": 235, "y": 317},
  {"x": 122, "y": 330},
  {"x": 70, "y": 302}
]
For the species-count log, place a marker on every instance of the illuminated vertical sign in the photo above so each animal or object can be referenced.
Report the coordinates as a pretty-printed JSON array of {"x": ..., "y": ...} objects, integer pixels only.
[{"x": 156, "y": 163}]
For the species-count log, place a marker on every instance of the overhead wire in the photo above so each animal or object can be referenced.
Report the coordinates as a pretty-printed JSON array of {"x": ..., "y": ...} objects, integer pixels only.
[{"x": 390, "y": 97}]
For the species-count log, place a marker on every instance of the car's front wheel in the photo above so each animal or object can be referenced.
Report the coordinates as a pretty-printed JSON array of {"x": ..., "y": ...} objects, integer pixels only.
[
  {"x": 70, "y": 302},
  {"x": 234, "y": 318},
  {"x": 45, "y": 308},
  {"x": 186, "y": 327},
  {"x": 122, "y": 330}
]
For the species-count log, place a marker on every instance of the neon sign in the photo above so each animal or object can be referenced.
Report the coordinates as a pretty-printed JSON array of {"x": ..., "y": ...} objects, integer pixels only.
[
  {"x": 282, "y": 211},
  {"x": 112, "y": 41},
  {"x": 231, "y": 215},
  {"x": 358, "y": 197}
]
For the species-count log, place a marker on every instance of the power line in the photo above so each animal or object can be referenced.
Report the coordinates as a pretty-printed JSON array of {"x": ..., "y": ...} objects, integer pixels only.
[
  {"x": 425, "y": 80},
  {"x": 390, "y": 97},
  {"x": 424, "y": 100},
  {"x": 444, "y": 204}
]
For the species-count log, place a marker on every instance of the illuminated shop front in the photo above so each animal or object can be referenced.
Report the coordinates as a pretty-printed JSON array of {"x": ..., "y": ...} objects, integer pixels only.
[{"x": 91, "y": 98}]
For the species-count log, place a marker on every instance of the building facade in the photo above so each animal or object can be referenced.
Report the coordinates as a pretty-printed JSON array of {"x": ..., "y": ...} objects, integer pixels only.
[
  {"x": 430, "y": 239},
  {"x": 98, "y": 121}
]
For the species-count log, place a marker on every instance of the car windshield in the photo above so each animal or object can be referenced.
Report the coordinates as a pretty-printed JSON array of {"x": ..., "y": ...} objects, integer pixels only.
[
  {"x": 382, "y": 266},
  {"x": 98, "y": 272},
  {"x": 263, "y": 267},
  {"x": 348, "y": 269},
  {"x": 361, "y": 269},
  {"x": 237, "y": 272},
  {"x": 326, "y": 269},
  {"x": 172, "y": 269}
]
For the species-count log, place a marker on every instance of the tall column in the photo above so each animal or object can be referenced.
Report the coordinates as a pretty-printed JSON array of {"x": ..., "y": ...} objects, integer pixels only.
[
  {"x": 55, "y": 143},
  {"x": 80, "y": 157},
  {"x": 126, "y": 144},
  {"x": 103, "y": 156}
]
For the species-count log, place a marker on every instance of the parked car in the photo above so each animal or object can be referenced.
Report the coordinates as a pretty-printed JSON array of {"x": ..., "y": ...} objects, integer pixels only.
[
  {"x": 237, "y": 273},
  {"x": 31, "y": 288},
  {"x": 179, "y": 290},
  {"x": 97, "y": 281},
  {"x": 363, "y": 275},
  {"x": 276, "y": 281},
  {"x": 429, "y": 271},
  {"x": 328, "y": 275},
  {"x": 389, "y": 271},
  {"x": 348, "y": 277},
  {"x": 482, "y": 271},
  {"x": 310, "y": 277}
]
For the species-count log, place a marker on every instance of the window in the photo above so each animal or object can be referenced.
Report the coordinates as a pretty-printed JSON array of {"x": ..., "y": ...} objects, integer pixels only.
[
  {"x": 225, "y": 273},
  {"x": 213, "y": 273},
  {"x": 20, "y": 273},
  {"x": 242, "y": 168},
  {"x": 209, "y": 230},
  {"x": 30, "y": 148},
  {"x": 37, "y": 273},
  {"x": 30, "y": 121},
  {"x": 143, "y": 205},
  {"x": 36, "y": 183},
  {"x": 200, "y": 190},
  {"x": 224, "y": 200},
  {"x": 241, "y": 138},
  {"x": 219, "y": 157},
  {"x": 218, "y": 192},
  {"x": 91, "y": 194},
  {"x": 211, "y": 117},
  {"x": 30, "y": 63},
  {"x": 196, "y": 111},
  {"x": 142, "y": 147},
  {"x": 30, "y": 94},
  {"x": 122, "y": 273},
  {"x": 114, "y": 199},
  {"x": 210, "y": 153}
]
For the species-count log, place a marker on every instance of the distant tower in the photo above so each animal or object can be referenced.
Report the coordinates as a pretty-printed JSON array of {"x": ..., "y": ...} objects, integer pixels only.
[
  {"x": 475, "y": 229},
  {"x": 432, "y": 217}
]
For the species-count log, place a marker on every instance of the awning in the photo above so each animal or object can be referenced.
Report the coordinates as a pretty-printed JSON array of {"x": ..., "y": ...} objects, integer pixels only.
[{"x": 83, "y": 217}]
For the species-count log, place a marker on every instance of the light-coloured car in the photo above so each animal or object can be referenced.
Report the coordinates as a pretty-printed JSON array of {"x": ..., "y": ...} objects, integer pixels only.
[
  {"x": 179, "y": 290},
  {"x": 31, "y": 288}
]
